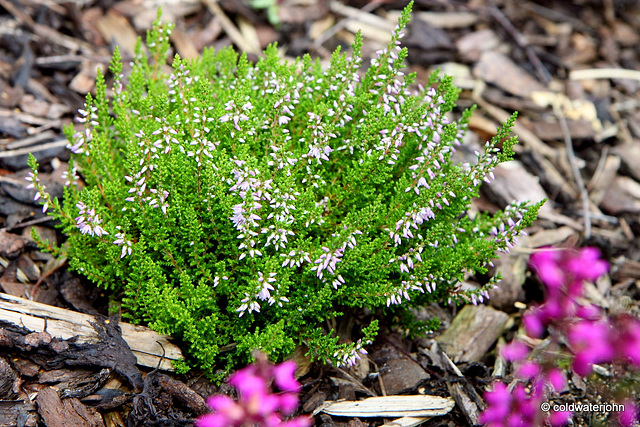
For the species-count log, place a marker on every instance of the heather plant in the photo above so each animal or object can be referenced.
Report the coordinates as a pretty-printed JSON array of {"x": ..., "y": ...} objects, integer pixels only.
[
  {"x": 241, "y": 206},
  {"x": 579, "y": 335}
]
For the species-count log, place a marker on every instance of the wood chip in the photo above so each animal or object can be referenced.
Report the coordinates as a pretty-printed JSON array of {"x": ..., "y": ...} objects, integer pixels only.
[
  {"x": 513, "y": 182},
  {"x": 392, "y": 406},
  {"x": 440, "y": 19},
  {"x": 525, "y": 135},
  {"x": 548, "y": 237},
  {"x": 65, "y": 413},
  {"x": 552, "y": 130},
  {"x": 369, "y": 19},
  {"x": 147, "y": 345},
  {"x": 630, "y": 155},
  {"x": 471, "y": 45},
  {"x": 85, "y": 80},
  {"x": 183, "y": 44},
  {"x": 115, "y": 28},
  {"x": 497, "y": 69},
  {"x": 472, "y": 332},
  {"x": 622, "y": 197},
  {"x": 603, "y": 179}
]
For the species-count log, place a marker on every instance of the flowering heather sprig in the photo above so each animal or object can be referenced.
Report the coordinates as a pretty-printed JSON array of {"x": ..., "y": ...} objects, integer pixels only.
[
  {"x": 41, "y": 193},
  {"x": 591, "y": 337},
  {"x": 349, "y": 355},
  {"x": 88, "y": 222},
  {"x": 315, "y": 191},
  {"x": 258, "y": 404}
]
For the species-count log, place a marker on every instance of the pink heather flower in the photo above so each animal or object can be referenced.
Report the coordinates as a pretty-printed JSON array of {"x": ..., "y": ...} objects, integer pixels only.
[
  {"x": 587, "y": 265},
  {"x": 590, "y": 342},
  {"x": 257, "y": 405},
  {"x": 284, "y": 377},
  {"x": 557, "y": 268},
  {"x": 560, "y": 418},
  {"x": 498, "y": 405},
  {"x": 627, "y": 339},
  {"x": 547, "y": 267},
  {"x": 505, "y": 409},
  {"x": 556, "y": 378},
  {"x": 532, "y": 324},
  {"x": 515, "y": 351},
  {"x": 88, "y": 222},
  {"x": 630, "y": 415},
  {"x": 529, "y": 370}
]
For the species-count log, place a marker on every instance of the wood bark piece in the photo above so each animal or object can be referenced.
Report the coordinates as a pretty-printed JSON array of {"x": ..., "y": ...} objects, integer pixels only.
[
  {"x": 115, "y": 27},
  {"x": 495, "y": 68},
  {"x": 472, "y": 332},
  {"x": 514, "y": 183},
  {"x": 13, "y": 410},
  {"x": 65, "y": 413},
  {"x": 622, "y": 197},
  {"x": 402, "y": 375},
  {"x": 147, "y": 345},
  {"x": 392, "y": 406}
]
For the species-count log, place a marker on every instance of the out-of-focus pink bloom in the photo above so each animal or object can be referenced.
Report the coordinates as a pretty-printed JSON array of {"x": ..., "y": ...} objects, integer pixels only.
[
  {"x": 627, "y": 339},
  {"x": 548, "y": 267},
  {"x": 515, "y": 351},
  {"x": 284, "y": 376},
  {"x": 498, "y": 405},
  {"x": 560, "y": 418},
  {"x": 556, "y": 378},
  {"x": 248, "y": 382},
  {"x": 587, "y": 265},
  {"x": 529, "y": 370},
  {"x": 590, "y": 342},
  {"x": 257, "y": 405},
  {"x": 533, "y": 324},
  {"x": 591, "y": 339},
  {"x": 630, "y": 415}
]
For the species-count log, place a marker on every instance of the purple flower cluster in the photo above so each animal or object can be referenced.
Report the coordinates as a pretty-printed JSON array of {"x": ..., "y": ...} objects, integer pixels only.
[
  {"x": 88, "y": 221},
  {"x": 327, "y": 261},
  {"x": 350, "y": 355},
  {"x": 591, "y": 337},
  {"x": 257, "y": 404}
]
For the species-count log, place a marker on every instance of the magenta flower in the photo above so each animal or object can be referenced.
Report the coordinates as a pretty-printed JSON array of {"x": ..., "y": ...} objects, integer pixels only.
[
  {"x": 557, "y": 268},
  {"x": 559, "y": 418},
  {"x": 284, "y": 377},
  {"x": 590, "y": 342},
  {"x": 591, "y": 339},
  {"x": 515, "y": 351},
  {"x": 257, "y": 405},
  {"x": 630, "y": 415},
  {"x": 627, "y": 339},
  {"x": 498, "y": 405},
  {"x": 556, "y": 378}
]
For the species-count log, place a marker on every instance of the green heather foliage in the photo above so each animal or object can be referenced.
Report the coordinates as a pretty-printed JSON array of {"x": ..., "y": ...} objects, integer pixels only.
[{"x": 238, "y": 206}]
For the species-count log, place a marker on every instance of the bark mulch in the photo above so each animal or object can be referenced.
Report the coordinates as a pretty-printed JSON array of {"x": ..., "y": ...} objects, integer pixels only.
[{"x": 571, "y": 69}]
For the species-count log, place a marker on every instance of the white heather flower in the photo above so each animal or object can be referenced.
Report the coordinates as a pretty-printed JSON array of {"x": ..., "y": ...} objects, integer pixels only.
[
  {"x": 126, "y": 244},
  {"x": 88, "y": 222},
  {"x": 327, "y": 261},
  {"x": 265, "y": 285},
  {"x": 351, "y": 357},
  {"x": 248, "y": 306},
  {"x": 32, "y": 178}
]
